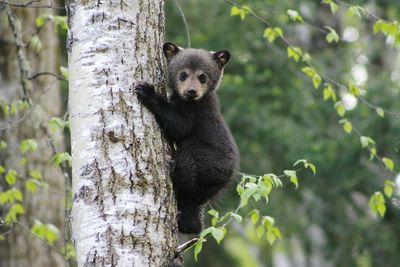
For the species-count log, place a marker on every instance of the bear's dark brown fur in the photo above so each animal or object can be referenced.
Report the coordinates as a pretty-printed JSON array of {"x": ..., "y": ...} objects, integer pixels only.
[{"x": 206, "y": 155}]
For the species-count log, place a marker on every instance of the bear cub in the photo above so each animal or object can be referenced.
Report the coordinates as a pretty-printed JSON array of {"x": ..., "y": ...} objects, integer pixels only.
[{"x": 205, "y": 155}]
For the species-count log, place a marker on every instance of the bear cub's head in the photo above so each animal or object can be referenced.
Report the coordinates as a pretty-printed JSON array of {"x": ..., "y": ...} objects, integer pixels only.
[{"x": 192, "y": 73}]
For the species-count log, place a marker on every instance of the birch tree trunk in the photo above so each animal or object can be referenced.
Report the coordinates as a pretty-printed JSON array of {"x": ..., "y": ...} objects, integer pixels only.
[{"x": 124, "y": 211}]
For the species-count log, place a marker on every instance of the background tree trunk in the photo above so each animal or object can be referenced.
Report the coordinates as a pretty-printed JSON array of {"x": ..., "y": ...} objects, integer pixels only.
[
  {"x": 46, "y": 204},
  {"x": 124, "y": 211}
]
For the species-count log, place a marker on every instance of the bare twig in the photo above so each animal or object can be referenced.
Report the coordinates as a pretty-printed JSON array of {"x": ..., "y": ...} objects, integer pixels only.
[
  {"x": 21, "y": 55},
  {"x": 67, "y": 184},
  {"x": 44, "y": 241},
  {"x": 185, "y": 22},
  {"x": 59, "y": 77}
]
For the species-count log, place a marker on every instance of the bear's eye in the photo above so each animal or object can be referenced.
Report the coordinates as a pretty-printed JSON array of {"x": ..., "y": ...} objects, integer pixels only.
[
  {"x": 183, "y": 76},
  {"x": 202, "y": 78}
]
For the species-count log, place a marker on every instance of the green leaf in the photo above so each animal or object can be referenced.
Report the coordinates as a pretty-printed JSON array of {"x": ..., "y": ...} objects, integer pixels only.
[
  {"x": 28, "y": 145},
  {"x": 39, "y": 229},
  {"x": 260, "y": 231},
  {"x": 366, "y": 141},
  {"x": 2, "y": 169},
  {"x": 58, "y": 158},
  {"x": 388, "y": 163},
  {"x": 269, "y": 34},
  {"x": 36, "y": 43},
  {"x": 237, "y": 217},
  {"x": 36, "y": 174},
  {"x": 218, "y": 234},
  {"x": 332, "y": 36},
  {"x": 377, "y": 26},
  {"x": 316, "y": 81},
  {"x": 294, "y": 181},
  {"x": 277, "y": 233},
  {"x": 61, "y": 22},
  {"x": 22, "y": 105},
  {"x": 309, "y": 71},
  {"x": 13, "y": 212},
  {"x": 348, "y": 127},
  {"x": 17, "y": 194},
  {"x": 254, "y": 216},
  {"x": 247, "y": 193},
  {"x": 278, "y": 31},
  {"x": 241, "y": 12},
  {"x": 377, "y": 204},
  {"x": 388, "y": 189},
  {"x": 294, "y": 15},
  {"x": 213, "y": 213},
  {"x": 354, "y": 11},
  {"x": 205, "y": 232},
  {"x": 30, "y": 185},
  {"x": 294, "y": 52},
  {"x": 354, "y": 90},
  {"x": 380, "y": 112},
  {"x": 13, "y": 108},
  {"x": 11, "y": 177},
  {"x": 271, "y": 237},
  {"x": 372, "y": 152},
  {"x": 55, "y": 124},
  {"x": 268, "y": 222},
  {"x": 329, "y": 93},
  {"x": 239, "y": 189},
  {"x": 198, "y": 247},
  {"x": 40, "y": 21},
  {"x": 64, "y": 72},
  {"x": 306, "y": 57},
  {"x": 6, "y": 196},
  {"x": 312, "y": 168},
  {"x": 264, "y": 186},
  {"x": 51, "y": 233},
  {"x": 340, "y": 109},
  {"x": 333, "y": 6}
]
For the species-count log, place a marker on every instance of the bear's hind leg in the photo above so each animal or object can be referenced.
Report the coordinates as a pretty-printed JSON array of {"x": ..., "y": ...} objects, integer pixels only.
[{"x": 190, "y": 218}]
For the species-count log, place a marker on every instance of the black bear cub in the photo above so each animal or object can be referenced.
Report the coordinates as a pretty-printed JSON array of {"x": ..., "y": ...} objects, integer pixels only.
[{"x": 205, "y": 155}]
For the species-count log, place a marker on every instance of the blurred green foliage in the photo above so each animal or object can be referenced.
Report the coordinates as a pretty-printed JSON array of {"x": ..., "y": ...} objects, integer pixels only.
[{"x": 277, "y": 117}]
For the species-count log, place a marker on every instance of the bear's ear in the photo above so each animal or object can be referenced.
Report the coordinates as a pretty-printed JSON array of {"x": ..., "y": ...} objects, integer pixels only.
[
  {"x": 221, "y": 57},
  {"x": 170, "y": 50}
]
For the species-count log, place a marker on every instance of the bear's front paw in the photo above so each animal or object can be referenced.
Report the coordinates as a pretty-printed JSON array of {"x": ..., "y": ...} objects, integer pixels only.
[{"x": 144, "y": 91}]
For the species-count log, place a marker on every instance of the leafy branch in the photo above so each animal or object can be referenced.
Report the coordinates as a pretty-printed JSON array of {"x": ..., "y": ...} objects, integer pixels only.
[{"x": 250, "y": 188}]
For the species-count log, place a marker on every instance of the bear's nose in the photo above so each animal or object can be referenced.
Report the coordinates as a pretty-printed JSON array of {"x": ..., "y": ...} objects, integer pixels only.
[{"x": 191, "y": 93}]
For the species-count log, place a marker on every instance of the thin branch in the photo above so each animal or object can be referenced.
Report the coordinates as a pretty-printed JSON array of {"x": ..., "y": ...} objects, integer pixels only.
[
  {"x": 44, "y": 241},
  {"x": 185, "y": 22},
  {"x": 59, "y": 77},
  {"x": 325, "y": 77},
  {"x": 29, "y": 5},
  {"x": 21, "y": 55},
  {"x": 67, "y": 185},
  {"x": 29, "y": 110},
  {"x": 181, "y": 248}
]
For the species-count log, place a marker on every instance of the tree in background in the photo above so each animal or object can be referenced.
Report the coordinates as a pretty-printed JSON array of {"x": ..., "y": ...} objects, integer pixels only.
[{"x": 31, "y": 187}]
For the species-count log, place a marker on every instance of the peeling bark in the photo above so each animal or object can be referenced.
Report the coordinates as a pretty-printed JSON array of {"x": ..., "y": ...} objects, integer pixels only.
[{"x": 124, "y": 211}]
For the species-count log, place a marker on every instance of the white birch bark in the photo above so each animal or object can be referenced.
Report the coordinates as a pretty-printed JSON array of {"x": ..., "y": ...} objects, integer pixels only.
[{"x": 123, "y": 204}]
